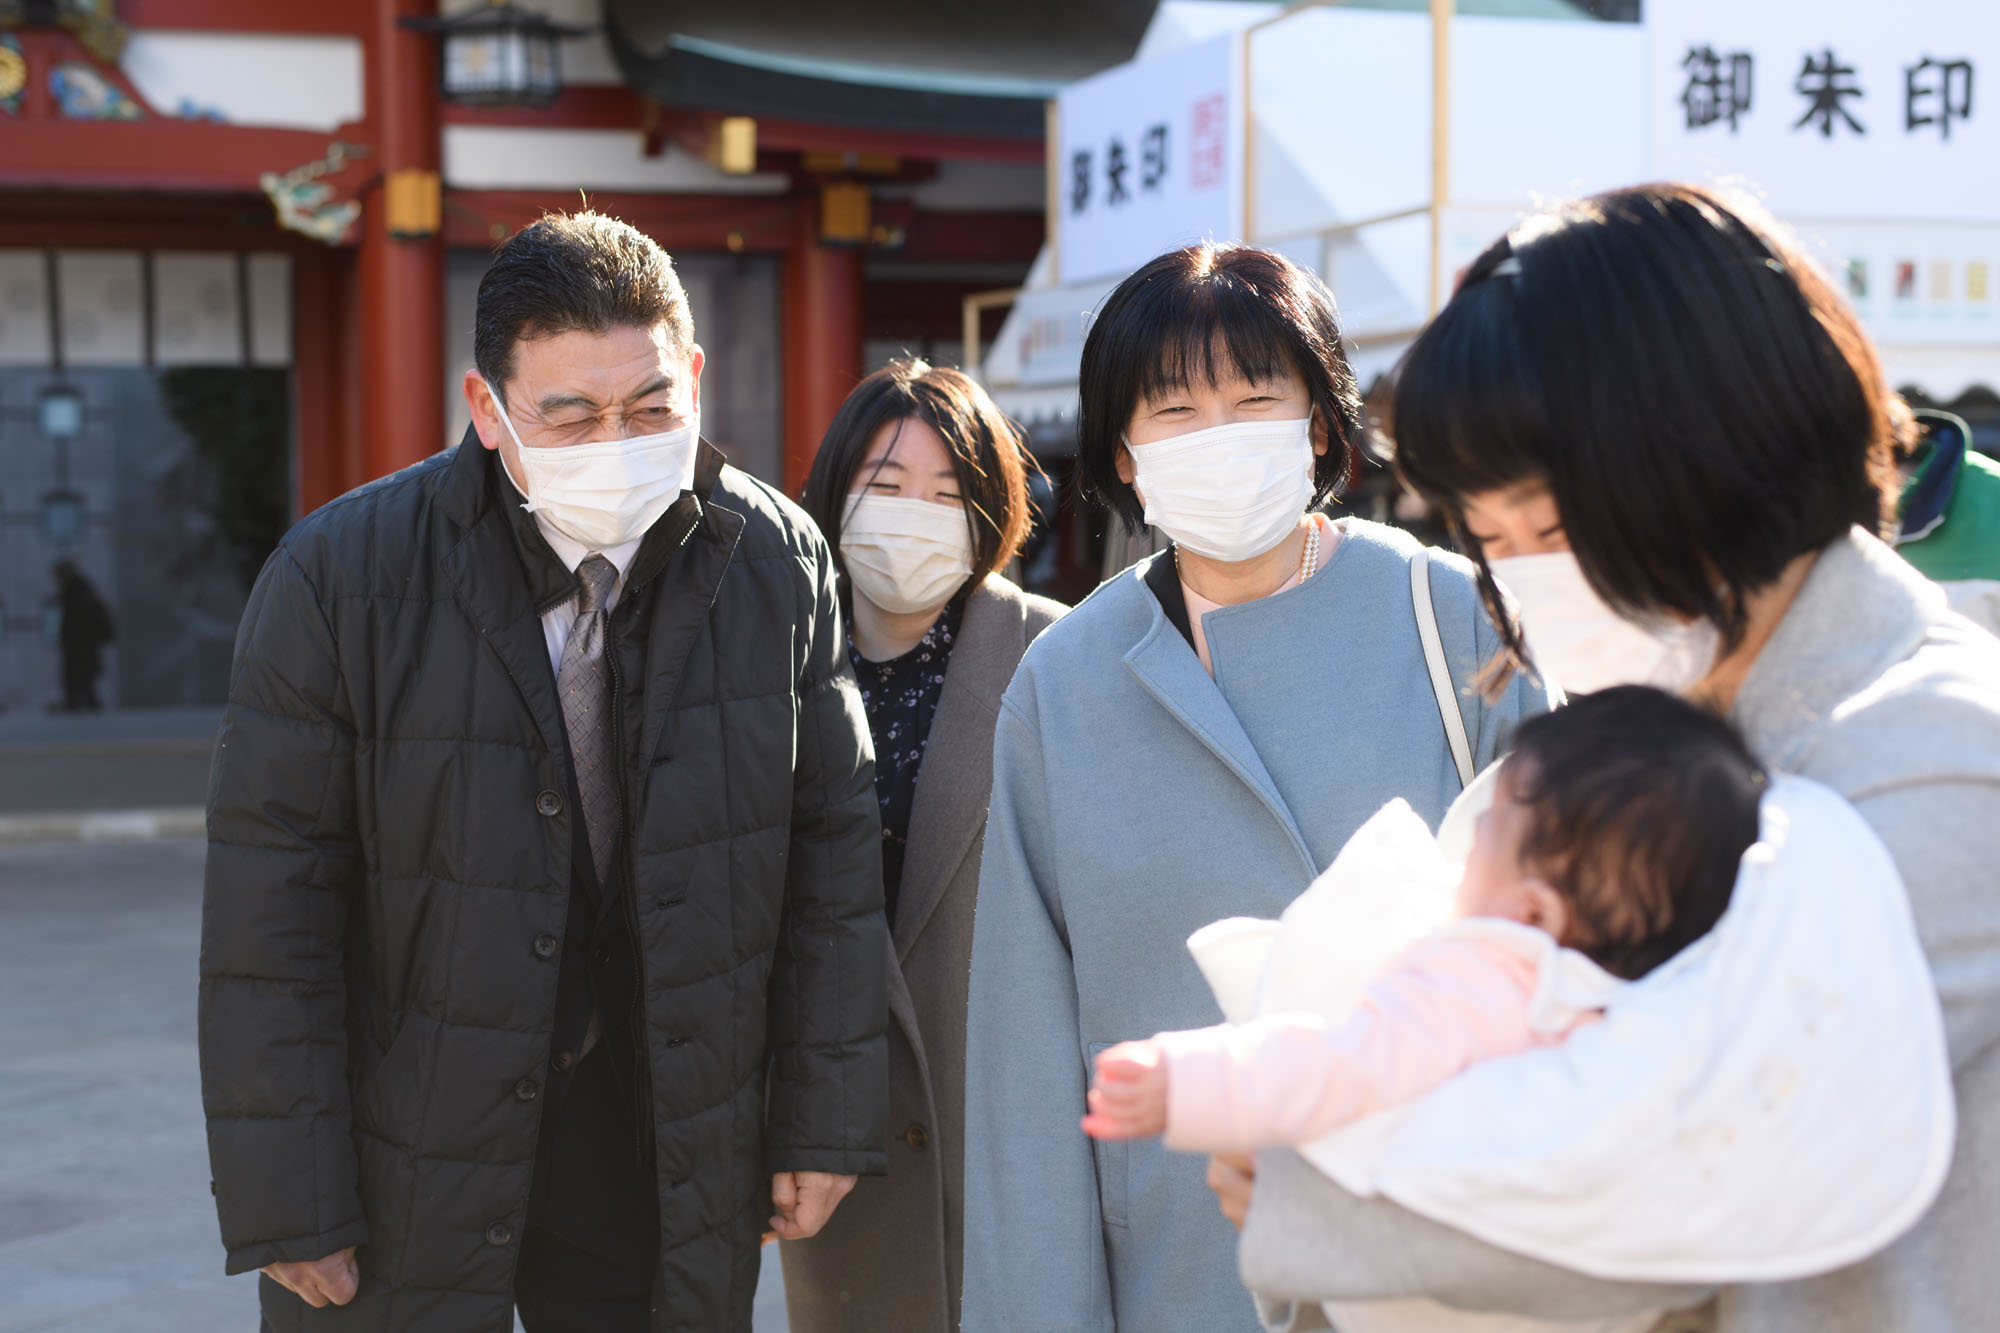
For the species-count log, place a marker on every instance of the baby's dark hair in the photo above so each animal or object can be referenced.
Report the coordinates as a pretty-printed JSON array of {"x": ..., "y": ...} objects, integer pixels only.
[{"x": 1639, "y": 806}]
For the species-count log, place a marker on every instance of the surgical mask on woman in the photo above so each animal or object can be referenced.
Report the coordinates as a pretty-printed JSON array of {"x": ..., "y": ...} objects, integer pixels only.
[
  {"x": 1583, "y": 645},
  {"x": 1229, "y": 492},
  {"x": 607, "y": 492},
  {"x": 905, "y": 555}
]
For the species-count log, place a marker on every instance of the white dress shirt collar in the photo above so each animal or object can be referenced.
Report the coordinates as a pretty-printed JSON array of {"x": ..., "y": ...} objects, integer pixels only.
[
  {"x": 573, "y": 553},
  {"x": 560, "y": 619}
]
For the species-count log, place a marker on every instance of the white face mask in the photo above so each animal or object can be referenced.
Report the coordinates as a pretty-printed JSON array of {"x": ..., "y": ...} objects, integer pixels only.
[
  {"x": 1230, "y": 492},
  {"x": 905, "y": 555},
  {"x": 1583, "y": 645},
  {"x": 606, "y": 492}
]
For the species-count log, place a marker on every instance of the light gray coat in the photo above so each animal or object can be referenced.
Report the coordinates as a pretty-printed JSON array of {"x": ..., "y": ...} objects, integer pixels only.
[
  {"x": 1873, "y": 687},
  {"x": 890, "y": 1257},
  {"x": 1135, "y": 799}
]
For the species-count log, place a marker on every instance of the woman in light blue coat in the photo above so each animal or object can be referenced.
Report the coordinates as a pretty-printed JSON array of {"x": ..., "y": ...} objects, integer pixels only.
[{"x": 1195, "y": 741}]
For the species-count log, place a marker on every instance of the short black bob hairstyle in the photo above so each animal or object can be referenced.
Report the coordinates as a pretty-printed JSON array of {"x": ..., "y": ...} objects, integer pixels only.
[
  {"x": 1701, "y": 403},
  {"x": 989, "y": 454},
  {"x": 1169, "y": 322}
]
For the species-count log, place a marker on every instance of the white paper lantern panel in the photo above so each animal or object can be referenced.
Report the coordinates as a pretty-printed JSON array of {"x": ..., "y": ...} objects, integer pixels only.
[
  {"x": 197, "y": 310},
  {"x": 24, "y": 308},
  {"x": 103, "y": 316},
  {"x": 271, "y": 309}
]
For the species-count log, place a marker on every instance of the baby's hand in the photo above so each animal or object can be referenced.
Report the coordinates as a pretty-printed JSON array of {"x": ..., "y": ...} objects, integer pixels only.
[{"x": 1128, "y": 1100}]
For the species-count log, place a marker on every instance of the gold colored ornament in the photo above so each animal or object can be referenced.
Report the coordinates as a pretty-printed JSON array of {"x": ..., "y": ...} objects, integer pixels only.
[
  {"x": 13, "y": 73},
  {"x": 96, "y": 26}
]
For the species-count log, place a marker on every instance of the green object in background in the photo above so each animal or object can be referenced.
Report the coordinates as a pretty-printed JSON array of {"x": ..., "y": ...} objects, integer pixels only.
[
  {"x": 1966, "y": 545},
  {"x": 1951, "y": 508}
]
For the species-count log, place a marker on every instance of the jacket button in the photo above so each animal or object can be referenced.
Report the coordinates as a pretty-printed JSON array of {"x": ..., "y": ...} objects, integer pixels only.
[
  {"x": 562, "y": 1060},
  {"x": 549, "y": 803},
  {"x": 526, "y": 1089},
  {"x": 546, "y": 946},
  {"x": 916, "y": 1137},
  {"x": 499, "y": 1234}
]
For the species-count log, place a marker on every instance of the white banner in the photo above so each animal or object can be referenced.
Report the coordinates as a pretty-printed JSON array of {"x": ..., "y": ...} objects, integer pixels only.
[
  {"x": 1542, "y": 109},
  {"x": 1149, "y": 159},
  {"x": 1872, "y": 128},
  {"x": 1341, "y": 116},
  {"x": 1850, "y": 109},
  {"x": 1915, "y": 284},
  {"x": 1042, "y": 340}
]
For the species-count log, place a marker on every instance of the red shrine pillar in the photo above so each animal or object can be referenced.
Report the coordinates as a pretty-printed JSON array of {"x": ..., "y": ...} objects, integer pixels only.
[
  {"x": 402, "y": 249},
  {"x": 822, "y": 317}
]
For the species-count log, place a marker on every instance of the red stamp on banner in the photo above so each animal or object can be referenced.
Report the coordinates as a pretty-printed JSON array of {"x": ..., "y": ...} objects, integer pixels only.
[{"x": 1209, "y": 144}]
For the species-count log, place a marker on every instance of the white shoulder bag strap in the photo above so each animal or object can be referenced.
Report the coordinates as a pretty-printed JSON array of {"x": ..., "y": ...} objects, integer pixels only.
[{"x": 1441, "y": 683}]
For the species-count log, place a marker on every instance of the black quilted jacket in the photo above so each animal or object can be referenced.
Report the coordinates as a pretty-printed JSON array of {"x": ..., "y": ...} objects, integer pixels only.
[{"x": 389, "y": 866}]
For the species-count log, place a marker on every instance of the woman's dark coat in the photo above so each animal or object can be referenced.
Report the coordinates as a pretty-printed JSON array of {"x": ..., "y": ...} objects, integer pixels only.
[
  {"x": 389, "y": 870},
  {"x": 890, "y": 1258}
]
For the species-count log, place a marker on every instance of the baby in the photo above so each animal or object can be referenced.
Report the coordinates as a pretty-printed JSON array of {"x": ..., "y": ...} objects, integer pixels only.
[{"x": 1616, "y": 828}]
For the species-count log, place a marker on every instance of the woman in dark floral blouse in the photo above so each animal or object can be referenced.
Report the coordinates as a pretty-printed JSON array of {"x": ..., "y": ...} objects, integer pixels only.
[
  {"x": 921, "y": 487},
  {"x": 900, "y": 697}
]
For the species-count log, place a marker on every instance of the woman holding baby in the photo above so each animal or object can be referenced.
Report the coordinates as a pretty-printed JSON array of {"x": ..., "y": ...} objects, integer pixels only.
[{"x": 1660, "y": 427}]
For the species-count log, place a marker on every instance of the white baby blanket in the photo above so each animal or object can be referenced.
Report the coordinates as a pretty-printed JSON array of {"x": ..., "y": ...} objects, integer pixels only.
[{"x": 1773, "y": 1102}]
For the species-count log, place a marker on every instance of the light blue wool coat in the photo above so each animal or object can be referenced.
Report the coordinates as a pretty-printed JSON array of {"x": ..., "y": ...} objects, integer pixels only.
[{"x": 1136, "y": 800}]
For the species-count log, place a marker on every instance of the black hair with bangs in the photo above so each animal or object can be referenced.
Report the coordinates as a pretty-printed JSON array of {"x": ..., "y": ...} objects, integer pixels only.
[
  {"x": 1701, "y": 404},
  {"x": 989, "y": 456},
  {"x": 1160, "y": 331}
]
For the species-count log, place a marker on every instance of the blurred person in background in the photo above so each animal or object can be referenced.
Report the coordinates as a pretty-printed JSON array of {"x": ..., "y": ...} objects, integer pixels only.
[
  {"x": 1651, "y": 418},
  {"x": 542, "y": 947},
  {"x": 1196, "y": 740},
  {"x": 921, "y": 487},
  {"x": 84, "y": 627}
]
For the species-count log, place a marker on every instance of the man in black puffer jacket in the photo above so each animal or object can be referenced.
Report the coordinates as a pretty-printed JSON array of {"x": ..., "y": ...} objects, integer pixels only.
[{"x": 543, "y": 941}]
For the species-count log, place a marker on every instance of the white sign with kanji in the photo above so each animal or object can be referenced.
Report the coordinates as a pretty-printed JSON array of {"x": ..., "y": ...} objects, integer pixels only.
[
  {"x": 1149, "y": 158},
  {"x": 1851, "y": 109}
]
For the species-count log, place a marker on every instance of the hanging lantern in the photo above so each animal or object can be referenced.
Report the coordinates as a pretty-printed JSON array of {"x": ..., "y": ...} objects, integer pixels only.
[
  {"x": 60, "y": 413},
  {"x": 499, "y": 54}
]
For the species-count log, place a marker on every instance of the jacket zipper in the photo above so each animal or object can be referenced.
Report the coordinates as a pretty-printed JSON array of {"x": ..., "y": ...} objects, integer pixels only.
[
  {"x": 642, "y": 1095},
  {"x": 643, "y": 1127}
]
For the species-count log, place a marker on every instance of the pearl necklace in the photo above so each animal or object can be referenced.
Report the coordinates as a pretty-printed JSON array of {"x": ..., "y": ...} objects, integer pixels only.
[{"x": 1308, "y": 563}]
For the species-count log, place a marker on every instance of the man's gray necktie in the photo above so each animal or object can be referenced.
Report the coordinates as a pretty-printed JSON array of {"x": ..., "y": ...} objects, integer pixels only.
[{"x": 584, "y": 682}]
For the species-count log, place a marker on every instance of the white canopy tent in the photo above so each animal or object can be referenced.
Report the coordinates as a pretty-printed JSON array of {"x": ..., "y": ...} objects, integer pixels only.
[{"x": 1311, "y": 129}]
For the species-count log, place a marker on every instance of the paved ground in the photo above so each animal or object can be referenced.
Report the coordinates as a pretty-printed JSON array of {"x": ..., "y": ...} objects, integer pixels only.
[
  {"x": 133, "y": 759},
  {"x": 106, "y": 1225}
]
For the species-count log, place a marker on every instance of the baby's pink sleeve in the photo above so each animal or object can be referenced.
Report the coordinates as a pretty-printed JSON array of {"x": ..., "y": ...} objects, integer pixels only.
[{"x": 1289, "y": 1078}]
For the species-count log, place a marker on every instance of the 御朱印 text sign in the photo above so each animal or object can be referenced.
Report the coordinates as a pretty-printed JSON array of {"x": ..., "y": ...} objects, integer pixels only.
[
  {"x": 1832, "y": 108},
  {"x": 1148, "y": 158}
]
